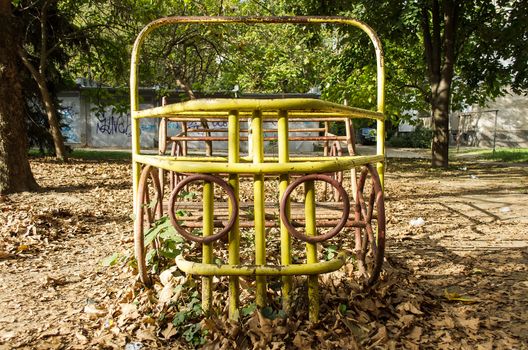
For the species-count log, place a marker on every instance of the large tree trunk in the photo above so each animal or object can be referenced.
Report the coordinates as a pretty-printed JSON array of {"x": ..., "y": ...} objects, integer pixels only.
[
  {"x": 440, "y": 57},
  {"x": 440, "y": 115},
  {"x": 15, "y": 173}
]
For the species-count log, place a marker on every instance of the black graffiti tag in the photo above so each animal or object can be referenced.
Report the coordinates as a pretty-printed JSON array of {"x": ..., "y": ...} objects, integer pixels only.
[{"x": 112, "y": 124}]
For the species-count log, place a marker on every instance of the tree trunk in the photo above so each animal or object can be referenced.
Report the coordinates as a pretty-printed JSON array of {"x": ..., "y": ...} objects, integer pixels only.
[
  {"x": 53, "y": 120},
  {"x": 440, "y": 57},
  {"x": 15, "y": 172},
  {"x": 440, "y": 115},
  {"x": 49, "y": 106}
]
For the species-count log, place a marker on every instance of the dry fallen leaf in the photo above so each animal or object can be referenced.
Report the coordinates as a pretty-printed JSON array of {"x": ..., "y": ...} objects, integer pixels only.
[
  {"x": 169, "y": 331},
  {"x": 471, "y": 323},
  {"x": 166, "y": 294},
  {"x": 22, "y": 248},
  {"x": 409, "y": 307},
  {"x": 447, "y": 323},
  {"x": 92, "y": 309},
  {"x": 381, "y": 336},
  {"x": 454, "y": 296},
  {"x": 416, "y": 334},
  {"x": 5, "y": 255}
]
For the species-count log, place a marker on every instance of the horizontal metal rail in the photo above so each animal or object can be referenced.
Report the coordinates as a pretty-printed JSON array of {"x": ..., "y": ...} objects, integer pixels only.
[
  {"x": 330, "y": 165},
  {"x": 230, "y": 104},
  {"x": 260, "y": 270},
  {"x": 269, "y": 138}
]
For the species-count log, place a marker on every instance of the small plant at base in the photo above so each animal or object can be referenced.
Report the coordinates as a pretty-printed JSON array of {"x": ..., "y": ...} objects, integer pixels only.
[
  {"x": 183, "y": 320},
  {"x": 166, "y": 243},
  {"x": 330, "y": 252}
]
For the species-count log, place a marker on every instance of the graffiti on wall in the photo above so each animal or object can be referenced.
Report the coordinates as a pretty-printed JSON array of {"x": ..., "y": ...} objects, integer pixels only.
[
  {"x": 212, "y": 125},
  {"x": 70, "y": 118},
  {"x": 111, "y": 124},
  {"x": 112, "y": 127}
]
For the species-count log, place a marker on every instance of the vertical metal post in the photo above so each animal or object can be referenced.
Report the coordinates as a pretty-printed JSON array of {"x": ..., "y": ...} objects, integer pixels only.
[
  {"x": 351, "y": 145},
  {"x": 326, "y": 149},
  {"x": 380, "y": 146},
  {"x": 136, "y": 145},
  {"x": 233, "y": 156},
  {"x": 185, "y": 130},
  {"x": 284, "y": 157},
  {"x": 495, "y": 131},
  {"x": 249, "y": 139},
  {"x": 259, "y": 208},
  {"x": 380, "y": 141},
  {"x": 207, "y": 249},
  {"x": 311, "y": 250}
]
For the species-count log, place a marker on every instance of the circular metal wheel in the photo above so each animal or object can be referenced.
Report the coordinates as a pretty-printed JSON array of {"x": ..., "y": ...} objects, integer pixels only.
[
  {"x": 370, "y": 239},
  {"x": 212, "y": 179},
  {"x": 284, "y": 204},
  {"x": 149, "y": 209}
]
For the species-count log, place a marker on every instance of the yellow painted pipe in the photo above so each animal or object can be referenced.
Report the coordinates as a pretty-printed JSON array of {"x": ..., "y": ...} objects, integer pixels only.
[
  {"x": 306, "y": 167},
  {"x": 259, "y": 205},
  {"x": 322, "y": 115},
  {"x": 311, "y": 250},
  {"x": 234, "y": 234},
  {"x": 284, "y": 158},
  {"x": 207, "y": 249},
  {"x": 225, "y": 105},
  {"x": 201, "y": 269},
  {"x": 267, "y": 159}
]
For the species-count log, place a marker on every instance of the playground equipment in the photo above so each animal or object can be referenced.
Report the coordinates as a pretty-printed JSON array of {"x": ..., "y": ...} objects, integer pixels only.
[{"x": 221, "y": 212}]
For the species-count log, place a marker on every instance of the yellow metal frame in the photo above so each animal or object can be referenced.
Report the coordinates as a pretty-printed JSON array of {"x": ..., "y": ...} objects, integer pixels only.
[{"x": 256, "y": 164}]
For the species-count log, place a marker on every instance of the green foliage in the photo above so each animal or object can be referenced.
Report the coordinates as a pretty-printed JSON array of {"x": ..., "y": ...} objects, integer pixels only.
[
  {"x": 342, "y": 309},
  {"x": 187, "y": 321},
  {"x": 94, "y": 40},
  {"x": 166, "y": 244},
  {"x": 330, "y": 252},
  {"x": 272, "y": 314},
  {"x": 110, "y": 260},
  {"x": 248, "y": 309},
  {"x": 419, "y": 138}
]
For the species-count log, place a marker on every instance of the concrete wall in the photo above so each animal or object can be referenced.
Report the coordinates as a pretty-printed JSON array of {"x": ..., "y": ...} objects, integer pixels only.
[
  {"x": 87, "y": 125},
  {"x": 478, "y": 127},
  {"x": 91, "y": 123}
]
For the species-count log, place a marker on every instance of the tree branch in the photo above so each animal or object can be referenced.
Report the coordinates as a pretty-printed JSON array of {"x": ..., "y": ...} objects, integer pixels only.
[
  {"x": 44, "y": 35},
  {"x": 27, "y": 63},
  {"x": 451, "y": 10},
  {"x": 428, "y": 45},
  {"x": 436, "y": 36}
]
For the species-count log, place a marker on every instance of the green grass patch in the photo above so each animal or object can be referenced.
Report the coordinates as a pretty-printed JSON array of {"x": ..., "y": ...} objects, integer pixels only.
[
  {"x": 514, "y": 155},
  {"x": 89, "y": 154},
  {"x": 508, "y": 155},
  {"x": 100, "y": 154}
]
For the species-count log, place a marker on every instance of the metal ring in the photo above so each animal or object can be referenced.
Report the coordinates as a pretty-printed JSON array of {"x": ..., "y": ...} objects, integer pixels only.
[
  {"x": 335, "y": 230},
  {"x": 230, "y": 194}
]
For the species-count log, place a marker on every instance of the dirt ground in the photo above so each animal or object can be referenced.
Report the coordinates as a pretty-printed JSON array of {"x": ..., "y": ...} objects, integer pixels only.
[{"x": 457, "y": 280}]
